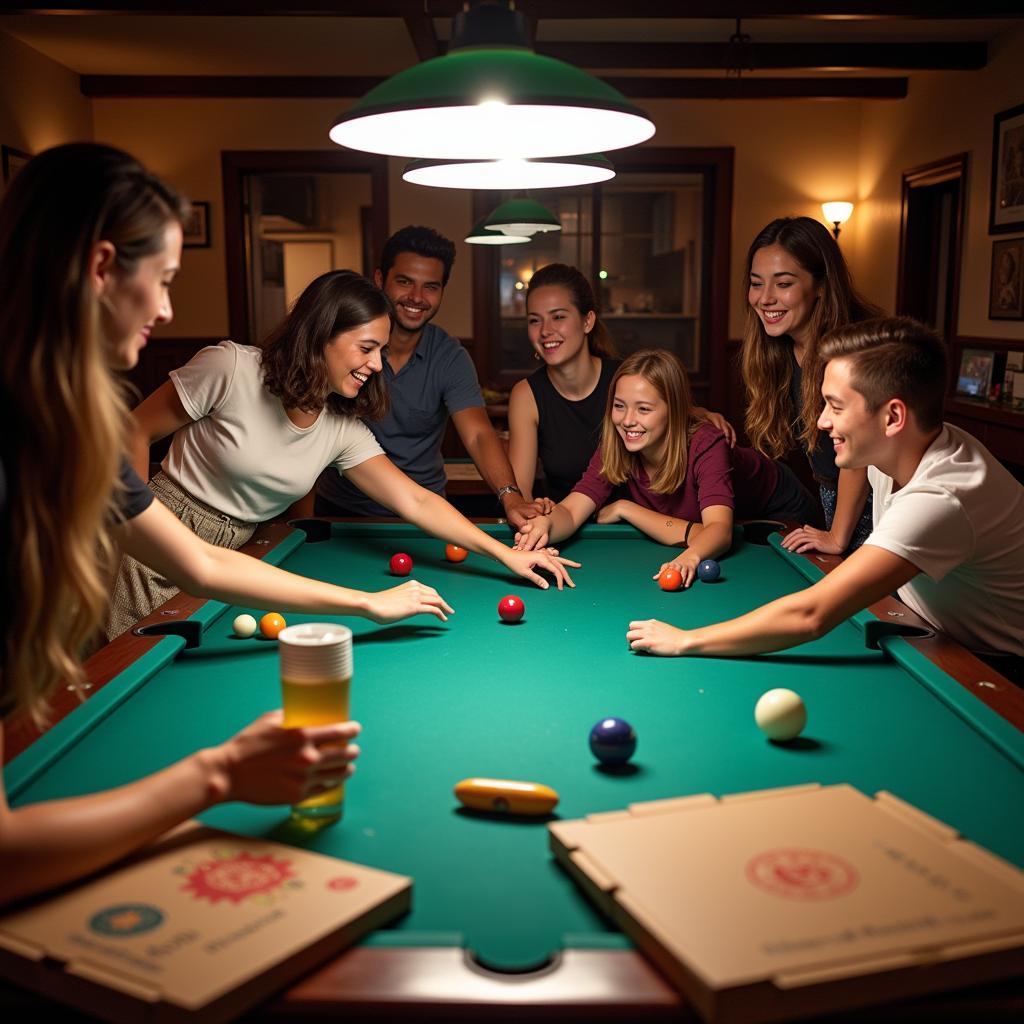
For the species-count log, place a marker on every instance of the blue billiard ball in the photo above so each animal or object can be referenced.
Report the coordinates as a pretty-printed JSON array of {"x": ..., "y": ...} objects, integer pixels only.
[
  {"x": 612, "y": 741},
  {"x": 708, "y": 570}
]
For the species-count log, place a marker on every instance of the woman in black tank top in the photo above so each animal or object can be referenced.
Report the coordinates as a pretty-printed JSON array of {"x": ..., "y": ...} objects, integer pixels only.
[{"x": 555, "y": 414}]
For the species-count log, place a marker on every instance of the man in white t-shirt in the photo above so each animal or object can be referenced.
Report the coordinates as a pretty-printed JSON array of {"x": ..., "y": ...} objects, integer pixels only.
[{"x": 948, "y": 518}]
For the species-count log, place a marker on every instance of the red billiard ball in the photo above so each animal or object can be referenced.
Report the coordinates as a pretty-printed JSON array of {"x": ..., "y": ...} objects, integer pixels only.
[
  {"x": 670, "y": 579},
  {"x": 401, "y": 564},
  {"x": 454, "y": 553},
  {"x": 511, "y": 608}
]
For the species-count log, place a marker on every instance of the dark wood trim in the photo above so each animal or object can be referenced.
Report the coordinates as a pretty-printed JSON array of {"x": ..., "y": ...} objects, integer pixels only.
[
  {"x": 967, "y": 56},
  {"x": 235, "y": 164},
  {"x": 227, "y": 86},
  {"x": 420, "y": 27},
  {"x": 120, "y": 654},
  {"x": 936, "y": 172},
  {"x": 352, "y": 86},
  {"x": 569, "y": 10},
  {"x": 761, "y": 88}
]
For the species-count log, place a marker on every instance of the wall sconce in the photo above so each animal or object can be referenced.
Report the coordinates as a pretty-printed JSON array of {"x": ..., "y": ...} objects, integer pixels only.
[{"x": 836, "y": 214}]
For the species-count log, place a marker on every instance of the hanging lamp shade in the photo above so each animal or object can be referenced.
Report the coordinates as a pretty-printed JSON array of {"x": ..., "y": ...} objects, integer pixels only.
[
  {"x": 551, "y": 172},
  {"x": 491, "y": 98},
  {"x": 522, "y": 217},
  {"x": 481, "y": 235}
]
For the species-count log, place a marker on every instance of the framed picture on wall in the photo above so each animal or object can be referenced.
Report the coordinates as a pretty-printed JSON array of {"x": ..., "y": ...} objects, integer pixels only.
[
  {"x": 13, "y": 161},
  {"x": 197, "y": 227},
  {"x": 975, "y": 376},
  {"x": 1006, "y": 204},
  {"x": 1006, "y": 291}
]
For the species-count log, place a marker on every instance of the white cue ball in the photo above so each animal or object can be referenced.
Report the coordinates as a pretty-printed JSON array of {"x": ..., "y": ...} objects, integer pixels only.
[
  {"x": 780, "y": 714},
  {"x": 244, "y": 626}
]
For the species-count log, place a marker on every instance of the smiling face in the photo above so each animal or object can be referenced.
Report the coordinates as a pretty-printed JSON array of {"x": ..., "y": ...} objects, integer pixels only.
[
  {"x": 352, "y": 357},
  {"x": 135, "y": 301},
  {"x": 640, "y": 417},
  {"x": 557, "y": 331},
  {"x": 857, "y": 434},
  {"x": 782, "y": 293},
  {"x": 414, "y": 285}
]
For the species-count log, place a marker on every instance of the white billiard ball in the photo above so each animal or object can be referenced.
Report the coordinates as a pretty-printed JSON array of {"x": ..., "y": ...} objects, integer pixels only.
[
  {"x": 780, "y": 714},
  {"x": 244, "y": 626}
]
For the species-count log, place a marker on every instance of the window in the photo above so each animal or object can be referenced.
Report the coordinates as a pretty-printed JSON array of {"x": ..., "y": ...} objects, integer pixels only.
[{"x": 654, "y": 242}]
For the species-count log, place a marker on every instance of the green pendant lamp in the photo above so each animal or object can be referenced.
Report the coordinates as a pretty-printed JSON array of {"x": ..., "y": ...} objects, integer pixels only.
[
  {"x": 491, "y": 98},
  {"x": 481, "y": 235},
  {"x": 511, "y": 175},
  {"x": 522, "y": 217}
]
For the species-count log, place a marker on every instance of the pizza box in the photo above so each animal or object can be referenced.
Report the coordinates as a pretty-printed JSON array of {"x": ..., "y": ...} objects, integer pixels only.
[
  {"x": 784, "y": 903},
  {"x": 198, "y": 926}
]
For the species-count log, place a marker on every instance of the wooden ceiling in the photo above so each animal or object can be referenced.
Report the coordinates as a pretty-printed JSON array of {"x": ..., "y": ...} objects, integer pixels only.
[{"x": 647, "y": 49}]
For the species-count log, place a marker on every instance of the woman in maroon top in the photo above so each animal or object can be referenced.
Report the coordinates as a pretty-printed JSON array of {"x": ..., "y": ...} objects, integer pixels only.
[{"x": 669, "y": 472}]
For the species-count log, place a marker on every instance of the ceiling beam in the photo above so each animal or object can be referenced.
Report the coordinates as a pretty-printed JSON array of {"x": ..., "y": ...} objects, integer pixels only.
[
  {"x": 424, "y": 39},
  {"x": 708, "y": 56},
  {"x": 748, "y": 87},
  {"x": 570, "y": 10},
  {"x": 351, "y": 87}
]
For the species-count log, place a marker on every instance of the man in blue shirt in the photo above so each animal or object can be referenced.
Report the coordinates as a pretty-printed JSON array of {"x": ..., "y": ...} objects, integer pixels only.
[{"x": 430, "y": 377}]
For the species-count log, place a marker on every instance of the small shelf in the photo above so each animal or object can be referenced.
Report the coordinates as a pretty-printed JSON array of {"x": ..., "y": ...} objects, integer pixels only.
[{"x": 991, "y": 412}]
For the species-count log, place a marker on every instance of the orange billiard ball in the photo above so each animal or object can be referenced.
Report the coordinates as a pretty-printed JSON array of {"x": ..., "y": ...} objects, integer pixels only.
[
  {"x": 670, "y": 579},
  {"x": 271, "y": 624},
  {"x": 454, "y": 553}
]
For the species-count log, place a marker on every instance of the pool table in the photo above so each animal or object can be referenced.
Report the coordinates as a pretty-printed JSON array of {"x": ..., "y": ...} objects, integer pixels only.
[{"x": 497, "y": 927}]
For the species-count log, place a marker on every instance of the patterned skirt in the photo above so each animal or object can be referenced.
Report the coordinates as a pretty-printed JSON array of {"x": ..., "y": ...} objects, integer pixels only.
[{"x": 138, "y": 590}]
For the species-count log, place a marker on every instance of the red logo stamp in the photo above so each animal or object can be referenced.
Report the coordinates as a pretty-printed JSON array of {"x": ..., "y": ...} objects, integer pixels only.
[
  {"x": 236, "y": 878},
  {"x": 342, "y": 884},
  {"x": 802, "y": 874}
]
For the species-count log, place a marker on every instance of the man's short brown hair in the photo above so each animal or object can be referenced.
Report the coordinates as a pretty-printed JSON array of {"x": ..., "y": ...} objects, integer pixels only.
[{"x": 894, "y": 357}]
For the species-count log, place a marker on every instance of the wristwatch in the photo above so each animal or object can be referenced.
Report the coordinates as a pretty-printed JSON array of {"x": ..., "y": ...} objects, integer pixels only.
[{"x": 507, "y": 489}]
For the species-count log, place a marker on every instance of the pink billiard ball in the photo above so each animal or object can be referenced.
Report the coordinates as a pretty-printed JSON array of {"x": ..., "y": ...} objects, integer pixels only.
[
  {"x": 511, "y": 608},
  {"x": 401, "y": 564}
]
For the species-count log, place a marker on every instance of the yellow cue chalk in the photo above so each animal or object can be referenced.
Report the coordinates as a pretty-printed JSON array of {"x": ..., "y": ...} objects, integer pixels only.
[{"x": 504, "y": 796}]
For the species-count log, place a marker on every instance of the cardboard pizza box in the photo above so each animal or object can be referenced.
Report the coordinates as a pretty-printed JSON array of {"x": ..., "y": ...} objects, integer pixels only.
[
  {"x": 784, "y": 903},
  {"x": 198, "y": 926}
]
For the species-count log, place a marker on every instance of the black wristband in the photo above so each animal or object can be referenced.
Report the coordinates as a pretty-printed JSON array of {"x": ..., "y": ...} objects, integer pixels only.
[{"x": 686, "y": 535}]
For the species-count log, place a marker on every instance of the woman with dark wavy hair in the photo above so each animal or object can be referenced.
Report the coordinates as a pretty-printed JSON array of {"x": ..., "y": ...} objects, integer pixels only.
[
  {"x": 798, "y": 289},
  {"x": 254, "y": 428}
]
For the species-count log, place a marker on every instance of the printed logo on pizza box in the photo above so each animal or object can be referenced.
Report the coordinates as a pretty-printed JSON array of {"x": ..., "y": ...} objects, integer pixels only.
[{"x": 801, "y": 874}]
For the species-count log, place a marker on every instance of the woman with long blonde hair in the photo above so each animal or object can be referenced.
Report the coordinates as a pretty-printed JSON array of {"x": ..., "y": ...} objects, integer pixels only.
[
  {"x": 798, "y": 289},
  {"x": 666, "y": 470},
  {"x": 89, "y": 245}
]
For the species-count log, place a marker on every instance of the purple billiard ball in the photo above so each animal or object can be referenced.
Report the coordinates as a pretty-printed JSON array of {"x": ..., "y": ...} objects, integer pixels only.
[{"x": 613, "y": 741}]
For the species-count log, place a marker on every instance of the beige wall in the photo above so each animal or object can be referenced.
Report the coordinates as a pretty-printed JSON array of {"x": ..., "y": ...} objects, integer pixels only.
[
  {"x": 943, "y": 115},
  {"x": 789, "y": 157},
  {"x": 40, "y": 102},
  {"x": 182, "y": 140}
]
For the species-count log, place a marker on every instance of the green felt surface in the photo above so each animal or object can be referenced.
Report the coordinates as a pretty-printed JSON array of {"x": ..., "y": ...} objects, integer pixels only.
[{"x": 440, "y": 702}]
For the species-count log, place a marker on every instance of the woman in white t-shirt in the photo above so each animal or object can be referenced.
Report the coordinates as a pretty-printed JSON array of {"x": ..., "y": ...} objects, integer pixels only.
[{"x": 253, "y": 428}]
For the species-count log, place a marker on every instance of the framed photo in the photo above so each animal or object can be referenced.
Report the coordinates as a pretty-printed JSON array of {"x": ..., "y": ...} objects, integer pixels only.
[
  {"x": 197, "y": 227},
  {"x": 1006, "y": 291},
  {"x": 13, "y": 161},
  {"x": 1006, "y": 204},
  {"x": 975, "y": 377}
]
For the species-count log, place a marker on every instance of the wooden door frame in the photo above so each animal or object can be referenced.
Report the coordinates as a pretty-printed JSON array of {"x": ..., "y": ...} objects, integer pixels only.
[
  {"x": 949, "y": 168},
  {"x": 235, "y": 164}
]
